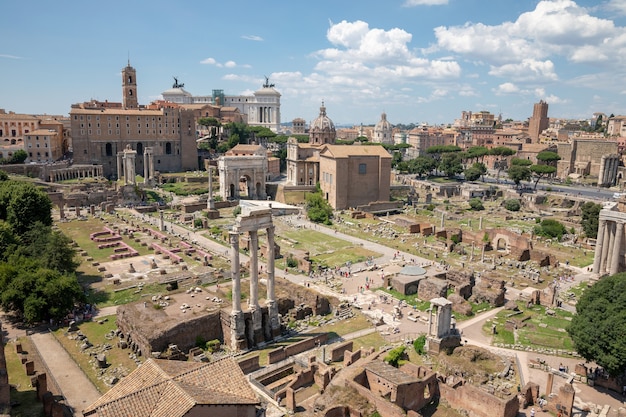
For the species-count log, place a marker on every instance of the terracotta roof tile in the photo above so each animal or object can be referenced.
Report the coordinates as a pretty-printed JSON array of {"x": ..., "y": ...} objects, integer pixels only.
[{"x": 161, "y": 388}]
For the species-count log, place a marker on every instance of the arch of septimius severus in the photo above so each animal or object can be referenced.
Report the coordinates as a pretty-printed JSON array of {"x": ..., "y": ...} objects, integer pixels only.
[
  {"x": 247, "y": 329},
  {"x": 610, "y": 246}
]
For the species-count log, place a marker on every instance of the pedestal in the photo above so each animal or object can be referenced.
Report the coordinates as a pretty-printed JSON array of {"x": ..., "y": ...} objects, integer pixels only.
[{"x": 237, "y": 331}]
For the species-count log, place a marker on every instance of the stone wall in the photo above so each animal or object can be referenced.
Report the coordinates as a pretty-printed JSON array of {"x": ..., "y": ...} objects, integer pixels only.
[
  {"x": 489, "y": 289},
  {"x": 477, "y": 402},
  {"x": 430, "y": 288},
  {"x": 284, "y": 352},
  {"x": 249, "y": 365},
  {"x": 337, "y": 351},
  {"x": 153, "y": 332}
]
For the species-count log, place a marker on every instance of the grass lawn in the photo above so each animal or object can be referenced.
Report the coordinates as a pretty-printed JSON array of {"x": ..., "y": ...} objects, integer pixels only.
[
  {"x": 96, "y": 334},
  {"x": 22, "y": 393},
  {"x": 113, "y": 296},
  {"x": 535, "y": 328},
  {"x": 79, "y": 230}
]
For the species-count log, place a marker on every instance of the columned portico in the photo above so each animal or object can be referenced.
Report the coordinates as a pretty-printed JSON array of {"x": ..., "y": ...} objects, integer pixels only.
[
  {"x": 610, "y": 246},
  {"x": 251, "y": 221}
]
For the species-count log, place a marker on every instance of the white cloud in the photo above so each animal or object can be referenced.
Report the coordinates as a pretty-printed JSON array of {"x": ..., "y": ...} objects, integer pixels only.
[
  {"x": 554, "y": 27},
  {"x": 411, "y": 3},
  {"x": 373, "y": 53},
  {"x": 10, "y": 56},
  {"x": 526, "y": 70},
  {"x": 506, "y": 88},
  {"x": 252, "y": 38},
  {"x": 227, "y": 64},
  {"x": 618, "y": 6}
]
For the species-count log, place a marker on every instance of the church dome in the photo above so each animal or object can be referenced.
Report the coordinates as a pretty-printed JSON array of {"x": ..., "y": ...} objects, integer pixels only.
[
  {"x": 383, "y": 124},
  {"x": 322, "y": 122}
]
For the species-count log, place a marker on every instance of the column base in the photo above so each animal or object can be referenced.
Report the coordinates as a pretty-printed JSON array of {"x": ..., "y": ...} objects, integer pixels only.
[
  {"x": 238, "y": 331},
  {"x": 257, "y": 324},
  {"x": 274, "y": 319}
]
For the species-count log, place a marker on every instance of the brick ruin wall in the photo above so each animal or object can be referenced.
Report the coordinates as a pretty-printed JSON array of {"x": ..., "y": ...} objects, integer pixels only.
[{"x": 478, "y": 402}]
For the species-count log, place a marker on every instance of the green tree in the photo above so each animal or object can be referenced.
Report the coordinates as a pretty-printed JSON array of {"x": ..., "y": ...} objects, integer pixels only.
[
  {"x": 52, "y": 249},
  {"x": 18, "y": 157},
  {"x": 394, "y": 356},
  {"x": 519, "y": 170},
  {"x": 419, "y": 344},
  {"x": 502, "y": 152},
  {"x": 41, "y": 294},
  {"x": 3, "y": 176},
  {"x": 476, "y": 153},
  {"x": 451, "y": 164},
  {"x": 550, "y": 228},
  {"x": 590, "y": 215},
  {"x": 474, "y": 172},
  {"x": 422, "y": 165},
  {"x": 599, "y": 326},
  {"x": 318, "y": 209},
  {"x": 476, "y": 204},
  {"x": 22, "y": 205},
  {"x": 540, "y": 171},
  {"x": 512, "y": 205}
]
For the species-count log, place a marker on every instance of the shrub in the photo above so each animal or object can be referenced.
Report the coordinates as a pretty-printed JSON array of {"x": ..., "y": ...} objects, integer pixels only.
[
  {"x": 291, "y": 262},
  {"x": 213, "y": 345},
  {"x": 237, "y": 211},
  {"x": 197, "y": 223},
  {"x": 512, "y": 205},
  {"x": 200, "y": 342},
  {"x": 419, "y": 344},
  {"x": 476, "y": 204},
  {"x": 430, "y": 207},
  {"x": 394, "y": 356},
  {"x": 550, "y": 228}
]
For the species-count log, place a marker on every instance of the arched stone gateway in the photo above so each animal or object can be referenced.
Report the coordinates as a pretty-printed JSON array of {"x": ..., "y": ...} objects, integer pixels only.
[{"x": 242, "y": 173}]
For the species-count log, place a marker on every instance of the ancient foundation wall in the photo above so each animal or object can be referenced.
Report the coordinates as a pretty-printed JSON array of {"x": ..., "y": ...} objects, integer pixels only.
[
  {"x": 337, "y": 351},
  {"x": 479, "y": 403},
  {"x": 284, "y": 352}
]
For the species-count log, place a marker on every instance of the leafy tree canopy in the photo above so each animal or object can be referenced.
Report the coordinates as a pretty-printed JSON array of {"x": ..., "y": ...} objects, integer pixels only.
[
  {"x": 519, "y": 173},
  {"x": 590, "y": 215},
  {"x": 550, "y": 228},
  {"x": 521, "y": 162},
  {"x": 451, "y": 164},
  {"x": 475, "y": 171},
  {"x": 548, "y": 156},
  {"x": 501, "y": 151},
  {"x": 22, "y": 205},
  {"x": 599, "y": 326},
  {"x": 318, "y": 209}
]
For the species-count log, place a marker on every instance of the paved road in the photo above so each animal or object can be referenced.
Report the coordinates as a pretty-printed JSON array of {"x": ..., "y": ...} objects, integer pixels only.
[{"x": 77, "y": 389}]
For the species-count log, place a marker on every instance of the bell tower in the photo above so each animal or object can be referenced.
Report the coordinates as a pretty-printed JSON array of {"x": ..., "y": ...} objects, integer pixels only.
[{"x": 129, "y": 87}]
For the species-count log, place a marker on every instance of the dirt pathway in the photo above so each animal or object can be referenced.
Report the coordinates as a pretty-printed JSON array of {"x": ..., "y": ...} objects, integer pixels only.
[{"x": 77, "y": 389}]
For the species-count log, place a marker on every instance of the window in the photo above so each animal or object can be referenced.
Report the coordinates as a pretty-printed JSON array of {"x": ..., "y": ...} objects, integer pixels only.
[
  {"x": 109, "y": 149},
  {"x": 168, "y": 148},
  {"x": 362, "y": 169}
]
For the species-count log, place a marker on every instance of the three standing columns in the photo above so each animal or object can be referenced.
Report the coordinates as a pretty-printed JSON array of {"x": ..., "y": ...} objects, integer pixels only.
[
  {"x": 610, "y": 248},
  {"x": 256, "y": 332}
]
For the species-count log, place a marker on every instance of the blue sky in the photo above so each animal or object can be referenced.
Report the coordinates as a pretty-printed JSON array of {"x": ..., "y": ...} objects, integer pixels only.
[{"x": 421, "y": 61}]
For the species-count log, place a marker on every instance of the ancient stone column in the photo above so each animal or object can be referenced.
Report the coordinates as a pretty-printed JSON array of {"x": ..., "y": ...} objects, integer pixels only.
[
  {"x": 254, "y": 269},
  {"x": 597, "y": 257},
  {"x": 272, "y": 306},
  {"x": 237, "y": 322},
  {"x": 609, "y": 248},
  {"x": 146, "y": 168},
  {"x": 617, "y": 248},
  {"x": 120, "y": 172},
  {"x": 271, "y": 296},
  {"x": 234, "y": 268},
  {"x": 211, "y": 202}
]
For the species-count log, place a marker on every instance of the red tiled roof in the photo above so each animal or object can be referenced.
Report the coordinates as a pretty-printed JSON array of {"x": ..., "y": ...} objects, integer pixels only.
[{"x": 161, "y": 388}]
